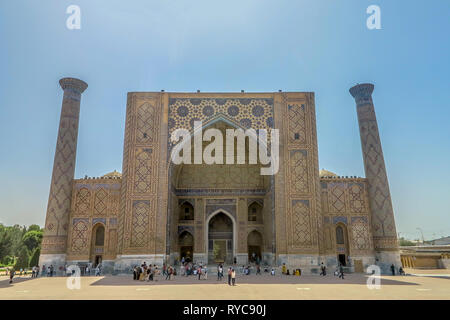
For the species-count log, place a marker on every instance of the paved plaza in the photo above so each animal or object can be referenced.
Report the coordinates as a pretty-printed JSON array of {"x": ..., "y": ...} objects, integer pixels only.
[{"x": 418, "y": 284}]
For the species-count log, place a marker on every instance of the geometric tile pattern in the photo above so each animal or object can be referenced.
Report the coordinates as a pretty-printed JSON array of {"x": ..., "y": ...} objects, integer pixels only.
[
  {"x": 298, "y": 162},
  {"x": 101, "y": 199},
  {"x": 336, "y": 199},
  {"x": 356, "y": 195},
  {"x": 145, "y": 123},
  {"x": 80, "y": 236},
  {"x": 383, "y": 224},
  {"x": 143, "y": 171},
  {"x": 301, "y": 224},
  {"x": 297, "y": 130},
  {"x": 140, "y": 220},
  {"x": 59, "y": 202},
  {"x": 360, "y": 233},
  {"x": 245, "y": 113},
  {"x": 83, "y": 201}
]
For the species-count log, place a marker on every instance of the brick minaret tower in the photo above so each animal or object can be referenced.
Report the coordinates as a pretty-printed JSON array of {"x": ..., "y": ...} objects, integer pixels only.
[
  {"x": 383, "y": 224},
  {"x": 57, "y": 219}
]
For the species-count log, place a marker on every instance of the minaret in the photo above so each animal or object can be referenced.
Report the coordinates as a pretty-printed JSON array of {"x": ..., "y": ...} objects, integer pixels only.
[
  {"x": 383, "y": 223},
  {"x": 58, "y": 209}
]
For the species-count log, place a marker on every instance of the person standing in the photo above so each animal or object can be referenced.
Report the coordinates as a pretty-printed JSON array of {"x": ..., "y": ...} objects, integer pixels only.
[
  {"x": 37, "y": 271},
  {"x": 229, "y": 276},
  {"x": 258, "y": 270},
  {"x": 233, "y": 277},
  {"x": 393, "y": 269}
]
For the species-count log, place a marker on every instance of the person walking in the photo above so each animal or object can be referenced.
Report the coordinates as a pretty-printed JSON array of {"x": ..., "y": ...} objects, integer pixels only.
[
  {"x": 199, "y": 272},
  {"x": 233, "y": 277},
  {"x": 323, "y": 269},
  {"x": 393, "y": 269},
  {"x": 341, "y": 272},
  {"x": 12, "y": 272}
]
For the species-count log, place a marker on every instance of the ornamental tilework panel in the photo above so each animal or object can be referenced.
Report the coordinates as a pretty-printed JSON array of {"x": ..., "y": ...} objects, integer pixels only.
[
  {"x": 383, "y": 224},
  {"x": 100, "y": 202},
  {"x": 297, "y": 124},
  {"x": 336, "y": 197},
  {"x": 59, "y": 202},
  {"x": 114, "y": 202},
  {"x": 143, "y": 171},
  {"x": 80, "y": 236},
  {"x": 298, "y": 168},
  {"x": 112, "y": 243},
  {"x": 356, "y": 197},
  {"x": 83, "y": 201},
  {"x": 301, "y": 223},
  {"x": 360, "y": 233},
  {"x": 256, "y": 113},
  {"x": 140, "y": 223},
  {"x": 99, "y": 220},
  {"x": 145, "y": 123}
]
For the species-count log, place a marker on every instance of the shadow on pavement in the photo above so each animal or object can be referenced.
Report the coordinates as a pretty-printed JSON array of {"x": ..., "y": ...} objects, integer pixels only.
[
  {"x": 5, "y": 283},
  {"x": 360, "y": 279}
]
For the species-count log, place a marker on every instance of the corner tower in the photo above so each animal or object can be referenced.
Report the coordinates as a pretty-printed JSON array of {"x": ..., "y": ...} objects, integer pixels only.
[
  {"x": 383, "y": 223},
  {"x": 58, "y": 209}
]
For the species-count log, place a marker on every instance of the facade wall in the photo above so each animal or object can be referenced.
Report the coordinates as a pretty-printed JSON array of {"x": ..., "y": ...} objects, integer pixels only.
[
  {"x": 345, "y": 202},
  {"x": 94, "y": 202},
  {"x": 297, "y": 194},
  {"x": 140, "y": 212}
]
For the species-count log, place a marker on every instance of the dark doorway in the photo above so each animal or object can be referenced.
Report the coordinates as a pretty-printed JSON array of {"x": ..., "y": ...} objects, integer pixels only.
[
  {"x": 186, "y": 253},
  {"x": 341, "y": 258},
  {"x": 98, "y": 260},
  {"x": 220, "y": 239},
  {"x": 254, "y": 243},
  {"x": 186, "y": 243}
]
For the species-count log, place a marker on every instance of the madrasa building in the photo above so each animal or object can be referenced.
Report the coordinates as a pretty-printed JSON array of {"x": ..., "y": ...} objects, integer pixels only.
[{"x": 161, "y": 212}]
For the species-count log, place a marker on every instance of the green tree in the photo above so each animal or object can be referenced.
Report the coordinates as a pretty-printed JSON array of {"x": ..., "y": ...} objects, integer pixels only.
[
  {"x": 34, "y": 259},
  {"x": 32, "y": 239},
  {"x": 405, "y": 243},
  {"x": 34, "y": 227},
  {"x": 22, "y": 258},
  {"x": 5, "y": 242}
]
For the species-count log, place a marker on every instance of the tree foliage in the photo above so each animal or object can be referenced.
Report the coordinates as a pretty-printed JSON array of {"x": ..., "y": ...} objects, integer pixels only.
[
  {"x": 18, "y": 244},
  {"x": 22, "y": 258},
  {"x": 32, "y": 239}
]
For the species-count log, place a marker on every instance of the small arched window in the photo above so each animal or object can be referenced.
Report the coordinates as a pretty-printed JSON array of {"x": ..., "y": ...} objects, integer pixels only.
[
  {"x": 100, "y": 236},
  {"x": 340, "y": 235}
]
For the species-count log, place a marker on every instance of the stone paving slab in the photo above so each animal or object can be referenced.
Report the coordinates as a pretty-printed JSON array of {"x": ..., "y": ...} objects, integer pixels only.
[{"x": 248, "y": 287}]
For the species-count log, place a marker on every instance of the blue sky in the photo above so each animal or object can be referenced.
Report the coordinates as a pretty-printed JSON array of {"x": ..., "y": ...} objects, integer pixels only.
[{"x": 257, "y": 45}]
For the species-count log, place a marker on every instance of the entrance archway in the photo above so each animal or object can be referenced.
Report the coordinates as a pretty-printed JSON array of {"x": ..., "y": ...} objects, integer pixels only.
[
  {"x": 342, "y": 244},
  {"x": 186, "y": 246},
  {"x": 98, "y": 244},
  {"x": 220, "y": 235},
  {"x": 254, "y": 243}
]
